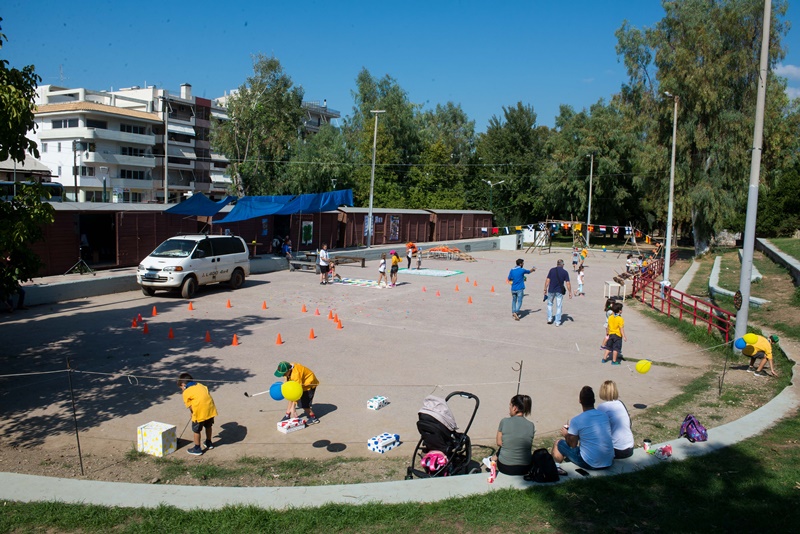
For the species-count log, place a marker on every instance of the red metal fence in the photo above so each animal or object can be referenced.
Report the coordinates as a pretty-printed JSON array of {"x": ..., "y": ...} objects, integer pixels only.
[{"x": 685, "y": 307}]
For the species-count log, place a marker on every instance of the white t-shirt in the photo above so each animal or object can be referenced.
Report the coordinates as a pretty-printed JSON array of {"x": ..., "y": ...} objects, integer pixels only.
[
  {"x": 594, "y": 432},
  {"x": 409, "y": 253},
  {"x": 621, "y": 433},
  {"x": 324, "y": 258},
  {"x": 382, "y": 266},
  {"x": 580, "y": 277}
]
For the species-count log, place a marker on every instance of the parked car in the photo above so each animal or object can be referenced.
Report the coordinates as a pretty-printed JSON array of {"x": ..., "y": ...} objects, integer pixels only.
[{"x": 186, "y": 262}]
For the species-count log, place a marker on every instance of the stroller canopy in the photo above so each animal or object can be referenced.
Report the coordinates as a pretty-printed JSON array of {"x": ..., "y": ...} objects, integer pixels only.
[{"x": 437, "y": 408}]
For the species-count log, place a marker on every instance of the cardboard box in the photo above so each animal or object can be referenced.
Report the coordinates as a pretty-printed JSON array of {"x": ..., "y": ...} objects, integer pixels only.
[
  {"x": 156, "y": 439},
  {"x": 290, "y": 425},
  {"x": 376, "y": 403},
  {"x": 384, "y": 442}
]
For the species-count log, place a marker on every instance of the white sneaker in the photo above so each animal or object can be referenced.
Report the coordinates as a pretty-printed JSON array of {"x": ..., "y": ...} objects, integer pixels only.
[{"x": 558, "y": 324}]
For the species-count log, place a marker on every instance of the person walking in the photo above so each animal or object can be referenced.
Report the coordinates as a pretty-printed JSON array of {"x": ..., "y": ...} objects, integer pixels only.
[
  {"x": 516, "y": 277},
  {"x": 555, "y": 287},
  {"x": 382, "y": 271},
  {"x": 581, "y": 276},
  {"x": 396, "y": 261}
]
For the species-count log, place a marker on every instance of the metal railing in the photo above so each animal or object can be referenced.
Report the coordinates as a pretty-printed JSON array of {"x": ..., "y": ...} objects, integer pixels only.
[{"x": 674, "y": 303}]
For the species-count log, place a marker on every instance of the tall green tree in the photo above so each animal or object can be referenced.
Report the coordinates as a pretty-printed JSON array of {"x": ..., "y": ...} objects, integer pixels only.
[
  {"x": 265, "y": 121},
  {"x": 21, "y": 218},
  {"x": 513, "y": 151},
  {"x": 17, "y": 93},
  {"x": 320, "y": 161},
  {"x": 707, "y": 53}
]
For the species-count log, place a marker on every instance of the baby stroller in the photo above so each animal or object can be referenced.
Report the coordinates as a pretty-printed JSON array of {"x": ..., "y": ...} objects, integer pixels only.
[{"x": 441, "y": 450}]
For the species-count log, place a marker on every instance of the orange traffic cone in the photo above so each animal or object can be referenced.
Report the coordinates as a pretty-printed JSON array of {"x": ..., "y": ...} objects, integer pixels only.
[
  {"x": 146, "y": 330},
  {"x": 468, "y": 279},
  {"x": 134, "y": 324},
  {"x": 303, "y": 309},
  {"x": 311, "y": 334},
  {"x": 171, "y": 334},
  {"x": 264, "y": 305},
  {"x": 469, "y": 300},
  {"x": 139, "y": 318},
  {"x": 228, "y": 304},
  {"x": 208, "y": 336},
  {"x": 278, "y": 340},
  {"x": 457, "y": 288},
  {"x": 330, "y": 314},
  {"x": 235, "y": 341},
  {"x": 492, "y": 291},
  {"x": 336, "y": 318},
  {"x": 423, "y": 289},
  {"x": 338, "y": 325},
  {"x": 154, "y": 311},
  {"x": 438, "y": 294},
  {"x": 475, "y": 283},
  {"x": 191, "y": 308},
  {"x": 316, "y": 312}
]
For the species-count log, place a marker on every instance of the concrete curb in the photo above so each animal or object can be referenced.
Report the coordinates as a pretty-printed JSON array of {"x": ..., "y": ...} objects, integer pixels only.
[
  {"x": 714, "y": 289},
  {"x": 781, "y": 258}
]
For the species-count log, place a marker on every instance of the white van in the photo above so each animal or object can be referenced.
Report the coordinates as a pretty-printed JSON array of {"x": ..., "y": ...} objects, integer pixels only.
[{"x": 187, "y": 261}]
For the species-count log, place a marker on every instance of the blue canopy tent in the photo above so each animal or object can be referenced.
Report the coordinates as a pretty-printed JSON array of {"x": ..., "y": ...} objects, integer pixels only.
[
  {"x": 199, "y": 205},
  {"x": 252, "y": 207}
]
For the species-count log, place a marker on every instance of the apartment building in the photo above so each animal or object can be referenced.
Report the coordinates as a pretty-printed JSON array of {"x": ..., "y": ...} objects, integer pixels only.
[{"x": 118, "y": 146}]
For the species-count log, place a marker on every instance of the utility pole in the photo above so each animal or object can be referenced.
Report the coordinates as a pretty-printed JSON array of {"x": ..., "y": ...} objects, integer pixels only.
[
  {"x": 165, "y": 106},
  {"x": 589, "y": 212},
  {"x": 668, "y": 249},
  {"x": 372, "y": 177},
  {"x": 755, "y": 172}
]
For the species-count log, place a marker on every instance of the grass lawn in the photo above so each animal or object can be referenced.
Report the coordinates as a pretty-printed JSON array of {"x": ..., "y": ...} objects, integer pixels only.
[
  {"x": 753, "y": 486},
  {"x": 788, "y": 245}
]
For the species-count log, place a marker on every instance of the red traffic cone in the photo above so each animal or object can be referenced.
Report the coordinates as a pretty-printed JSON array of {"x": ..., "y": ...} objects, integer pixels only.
[
  {"x": 339, "y": 325},
  {"x": 311, "y": 334},
  {"x": 438, "y": 294},
  {"x": 134, "y": 324},
  {"x": 316, "y": 312},
  {"x": 492, "y": 291},
  {"x": 303, "y": 309},
  {"x": 264, "y": 305},
  {"x": 191, "y": 308},
  {"x": 171, "y": 334},
  {"x": 336, "y": 318},
  {"x": 146, "y": 330},
  {"x": 474, "y": 283},
  {"x": 330, "y": 315},
  {"x": 139, "y": 318},
  {"x": 228, "y": 304},
  {"x": 469, "y": 300},
  {"x": 154, "y": 311},
  {"x": 208, "y": 336},
  {"x": 423, "y": 289},
  {"x": 457, "y": 288},
  {"x": 468, "y": 279},
  {"x": 278, "y": 340},
  {"x": 235, "y": 341}
]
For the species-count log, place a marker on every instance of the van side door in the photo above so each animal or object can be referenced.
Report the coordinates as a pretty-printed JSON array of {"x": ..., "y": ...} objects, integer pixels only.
[{"x": 204, "y": 264}]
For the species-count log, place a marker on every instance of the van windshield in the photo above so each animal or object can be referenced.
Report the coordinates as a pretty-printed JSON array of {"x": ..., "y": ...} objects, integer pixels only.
[{"x": 174, "y": 248}]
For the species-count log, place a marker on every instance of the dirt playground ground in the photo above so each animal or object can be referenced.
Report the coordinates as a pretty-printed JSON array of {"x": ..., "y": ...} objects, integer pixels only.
[{"x": 422, "y": 337}]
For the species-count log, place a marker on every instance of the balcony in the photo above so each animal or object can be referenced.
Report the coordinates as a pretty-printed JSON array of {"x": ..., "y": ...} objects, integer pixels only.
[
  {"x": 96, "y": 133},
  {"x": 118, "y": 159}
]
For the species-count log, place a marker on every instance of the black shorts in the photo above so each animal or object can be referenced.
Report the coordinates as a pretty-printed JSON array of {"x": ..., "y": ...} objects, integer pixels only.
[
  {"x": 307, "y": 398},
  {"x": 758, "y": 355},
  {"x": 614, "y": 343},
  {"x": 324, "y": 269},
  {"x": 198, "y": 426},
  {"x": 394, "y": 269},
  {"x": 513, "y": 470}
]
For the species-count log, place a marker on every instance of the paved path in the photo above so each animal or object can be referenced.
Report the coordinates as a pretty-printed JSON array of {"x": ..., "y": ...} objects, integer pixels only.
[{"x": 403, "y": 343}]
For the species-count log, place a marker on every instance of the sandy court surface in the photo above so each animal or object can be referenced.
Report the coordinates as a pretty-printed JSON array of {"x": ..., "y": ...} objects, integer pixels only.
[{"x": 403, "y": 343}]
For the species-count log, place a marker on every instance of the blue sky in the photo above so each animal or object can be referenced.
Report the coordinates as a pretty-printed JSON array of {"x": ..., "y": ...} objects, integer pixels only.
[{"x": 481, "y": 55}]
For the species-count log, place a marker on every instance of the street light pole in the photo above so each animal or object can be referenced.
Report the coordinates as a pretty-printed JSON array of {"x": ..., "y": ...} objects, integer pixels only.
[
  {"x": 491, "y": 188},
  {"x": 668, "y": 249},
  {"x": 589, "y": 212},
  {"x": 372, "y": 177}
]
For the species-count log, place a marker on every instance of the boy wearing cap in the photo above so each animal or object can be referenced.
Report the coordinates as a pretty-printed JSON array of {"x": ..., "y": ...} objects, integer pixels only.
[
  {"x": 306, "y": 378},
  {"x": 761, "y": 350}
]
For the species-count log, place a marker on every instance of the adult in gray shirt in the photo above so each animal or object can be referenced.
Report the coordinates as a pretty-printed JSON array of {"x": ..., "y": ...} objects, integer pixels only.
[{"x": 515, "y": 438}]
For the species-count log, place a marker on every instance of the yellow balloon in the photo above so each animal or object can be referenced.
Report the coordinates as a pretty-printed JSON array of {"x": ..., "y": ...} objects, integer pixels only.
[
  {"x": 750, "y": 338},
  {"x": 292, "y": 391},
  {"x": 642, "y": 366},
  {"x": 749, "y": 350}
]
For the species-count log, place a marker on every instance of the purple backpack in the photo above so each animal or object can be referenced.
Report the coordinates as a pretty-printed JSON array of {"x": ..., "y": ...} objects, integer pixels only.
[{"x": 693, "y": 430}]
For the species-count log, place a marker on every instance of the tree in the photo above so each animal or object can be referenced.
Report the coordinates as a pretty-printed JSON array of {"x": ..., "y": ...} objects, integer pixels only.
[
  {"x": 265, "y": 120},
  {"x": 707, "y": 52},
  {"x": 318, "y": 161},
  {"x": 17, "y": 93}
]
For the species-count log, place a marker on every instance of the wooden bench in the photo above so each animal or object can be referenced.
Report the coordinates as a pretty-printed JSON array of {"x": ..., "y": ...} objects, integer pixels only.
[
  {"x": 343, "y": 260},
  {"x": 303, "y": 264}
]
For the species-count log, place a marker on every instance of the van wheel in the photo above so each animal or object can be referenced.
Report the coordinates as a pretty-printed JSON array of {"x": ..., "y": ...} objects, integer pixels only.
[
  {"x": 237, "y": 279},
  {"x": 189, "y": 287},
  {"x": 149, "y": 291}
]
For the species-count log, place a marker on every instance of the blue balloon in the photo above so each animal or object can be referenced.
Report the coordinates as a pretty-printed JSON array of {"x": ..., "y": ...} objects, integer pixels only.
[
  {"x": 275, "y": 391},
  {"x": 740, "y": 343}
]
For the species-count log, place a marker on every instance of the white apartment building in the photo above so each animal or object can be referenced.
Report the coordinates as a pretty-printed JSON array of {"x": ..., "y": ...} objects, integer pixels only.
[{"x": 109, "y": 146}]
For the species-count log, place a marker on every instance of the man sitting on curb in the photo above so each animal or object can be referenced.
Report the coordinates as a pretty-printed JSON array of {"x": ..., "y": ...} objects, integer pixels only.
[{"x": 587, "y": 438}]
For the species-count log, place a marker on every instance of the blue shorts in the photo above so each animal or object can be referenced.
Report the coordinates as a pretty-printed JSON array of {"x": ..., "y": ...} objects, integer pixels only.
[
  {"x": 573, "y": 454},
  {"x": 614, "y": 343}
]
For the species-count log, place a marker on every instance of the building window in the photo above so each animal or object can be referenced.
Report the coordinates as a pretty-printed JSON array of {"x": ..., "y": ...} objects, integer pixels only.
[
  {"x": 44, "y": 147},
  {"x": 59, "y": 171},
  {"x": 94, "y": 123},
  {"x": 65, "y": 123},
  {"x": 59, "y": 148},
  {"x": 133, "y": 151},
  {"x": 85, "y": 171},
  {"x": 130, "y": 128},
  {"x": 130, "y": 196},
  {"x": 132, "y": 175}
]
